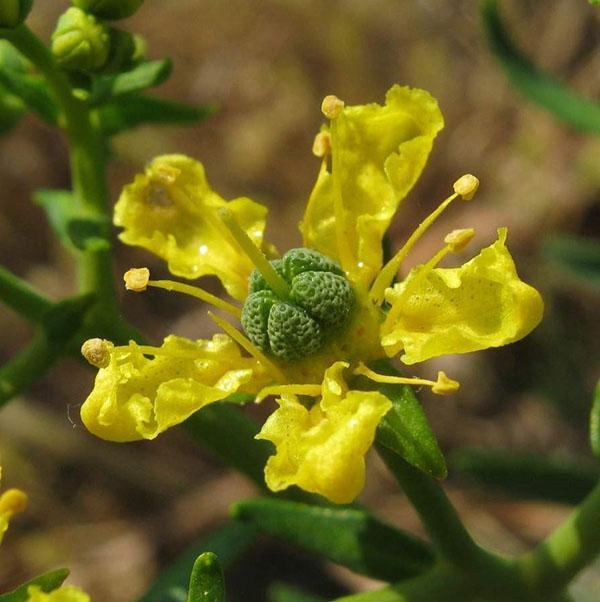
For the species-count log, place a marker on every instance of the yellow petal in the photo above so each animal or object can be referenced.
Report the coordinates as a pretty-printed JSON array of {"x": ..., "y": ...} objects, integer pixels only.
[
  {"x": 66, "y": 593},
  {"x": 172, "y": 211},
  {"x": 136, "y": 397},
  {"x": 378, "y": 154},
  {"x": 322, "y": 449},
  {"x": 479, "y": 305},
  {"x": 12, "y": 501}
]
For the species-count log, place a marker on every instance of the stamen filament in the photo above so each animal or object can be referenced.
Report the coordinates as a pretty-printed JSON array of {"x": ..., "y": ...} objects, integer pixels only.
[
  {"x": 443, "y": 385},
  {"x": 246, "y": 344},
  {"x": 311, "y": 390},
  {"x": 198, "y": 293},
  {"x": 386, "y": 275},
  {"x": 279, "y": 286}
]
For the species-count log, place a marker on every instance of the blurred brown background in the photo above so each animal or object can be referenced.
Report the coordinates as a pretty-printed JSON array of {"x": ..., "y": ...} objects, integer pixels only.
[{"x": 115, "y": 514}]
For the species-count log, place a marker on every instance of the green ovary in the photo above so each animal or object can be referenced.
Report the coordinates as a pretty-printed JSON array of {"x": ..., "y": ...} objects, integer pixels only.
[{"x": 319, "y": 306}]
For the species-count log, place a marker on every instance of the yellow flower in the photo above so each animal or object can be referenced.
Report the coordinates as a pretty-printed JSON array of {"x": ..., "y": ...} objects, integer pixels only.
[
  {"x": 314, "y": 311},
  {"x": 66, "y": 593},
  {"x": 12, "y": 501}
]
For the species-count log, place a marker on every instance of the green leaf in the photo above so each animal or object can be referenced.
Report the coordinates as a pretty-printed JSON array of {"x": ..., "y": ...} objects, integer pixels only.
[
  {"x": 534, "y": 83},
  {"x": 127, "y": 112},
  {"x": 32, "y": 90},
  {"x": 145, "y": 75},
  {"x": 75, "y": 228},
  {"x": 228, "y": 543},
  {"x": 350, "y": 537},
  {"x": 595, "y": 422},
  {"x": 206, "y": 580},
  {"x": 405, "y": 429},
  {"x": 48, "y": 582},
  {"x": 577, "y": 255},
  {"x": 281, "y": 592},
  {"x": 527, "y": 475}
]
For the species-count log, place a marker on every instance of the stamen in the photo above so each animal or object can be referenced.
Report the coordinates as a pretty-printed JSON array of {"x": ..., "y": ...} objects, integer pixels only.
[
  {"x": 465, "y": 187},
  {"x": 332, "y": 106},
  {"x": 279, "y": 286},
  {"x": 243, "y": 342},
  {"x": 12, "y": 501},
  {"x": 96, "y": 352},
  {"x": 198, "y": 293},
  {"x": 311, "y": 390},
  {"x": 322, "y": 144},
  {"x": 443, "y": 385},
  {"x": 136, "y": 279}
]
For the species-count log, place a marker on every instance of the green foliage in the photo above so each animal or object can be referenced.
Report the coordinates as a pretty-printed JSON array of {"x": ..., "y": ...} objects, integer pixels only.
[
  {"x": 228, "y": 543},
  {"x": 534, "y": 83},
  {"x": 281, "y": 592},
  {"x": 206, "y": 580},
  {"x": 47, "y": 582},
  {"x": 527, "y": 475},
  {"x": 14, "y": 12},
  {"x": 578, "y": 256},
  {"x": 405, "y": 429},
  {"x": 348, "y": 536},
  {"x": 595, "y": 422}
]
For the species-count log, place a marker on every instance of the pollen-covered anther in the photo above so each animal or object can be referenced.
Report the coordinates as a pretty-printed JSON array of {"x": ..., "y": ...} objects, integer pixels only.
[
  {"x": 167, "y": 174},
  {"x": 136, "y": 279},
  {"x": 96, "y": 352},
  {"x": 466, "y": 186},
  {"x": 445, "y": 385},
  {"x": 332, "y": 106},
  {"x": 322, "y": 145},
  {"x": 457, "y": 240},
  {"x": 13, "y": 501}
]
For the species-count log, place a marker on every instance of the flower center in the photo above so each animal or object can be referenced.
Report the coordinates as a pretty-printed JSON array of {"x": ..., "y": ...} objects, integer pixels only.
[{"x": 317, "y": 308}]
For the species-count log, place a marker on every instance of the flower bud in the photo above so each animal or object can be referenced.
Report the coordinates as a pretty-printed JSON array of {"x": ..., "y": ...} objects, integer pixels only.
[
  {"x": 109, "y": 9},
  {"x": 79, "y": 42},
  {"x": 121, "y": 53},
  {"x": 14, "y": 12}
]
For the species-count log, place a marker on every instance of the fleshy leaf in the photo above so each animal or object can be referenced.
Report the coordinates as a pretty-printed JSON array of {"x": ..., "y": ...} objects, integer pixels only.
[
  {"x": 281, "y": 592},
  {"x": 172, "y": 211},
  {"x": 595, "y": 422},
  {"x": 349, "y": 536},
  {"x": 47, "y": 583},
  {"x": 206, "y": 580},
  {"x": 378, "y": 153},
  {"x": 322, "y": 449},
  {"x": 479, "y": 305},
  {"x": 135, "y": 397}
]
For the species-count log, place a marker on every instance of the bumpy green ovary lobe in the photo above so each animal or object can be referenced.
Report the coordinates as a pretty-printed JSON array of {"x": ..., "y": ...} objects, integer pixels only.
[{"x": 319, "y": 306}]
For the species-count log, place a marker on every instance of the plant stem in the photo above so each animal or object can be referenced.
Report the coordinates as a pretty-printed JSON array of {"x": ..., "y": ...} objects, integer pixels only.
[
  {"x": 21, "y": 297},
  {"x": 573, "y": 545}
]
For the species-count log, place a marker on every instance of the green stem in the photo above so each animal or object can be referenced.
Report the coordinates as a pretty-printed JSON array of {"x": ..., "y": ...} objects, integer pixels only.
[
  {"x": 571, "y": 547},
  {"x": 21, "y": 297}
]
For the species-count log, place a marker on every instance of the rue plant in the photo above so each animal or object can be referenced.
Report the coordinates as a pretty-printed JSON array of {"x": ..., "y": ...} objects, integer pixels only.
[{"x": 316, "y": 327}]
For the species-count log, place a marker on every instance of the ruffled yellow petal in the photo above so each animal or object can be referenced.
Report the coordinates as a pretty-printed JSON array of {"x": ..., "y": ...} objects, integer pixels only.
[
  {"x": 135, "y": 397},
  {"x": 66, "y": 593},
  {"x": 479, "y": 305},
  {"x": 12, "y": 501},
  {"x": 322, "y": 449},
  {"x": 172, "y": 211},
  {"x": 378, "y": 152}
]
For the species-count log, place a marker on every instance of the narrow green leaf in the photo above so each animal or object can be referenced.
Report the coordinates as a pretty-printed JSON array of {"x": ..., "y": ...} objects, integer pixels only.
[
  {"x": 350, "y": 537},
  {"x": 534, "y": 83},
  {"x": 32, "y": 90},
  {"x": 48, "y": 582},
  {"x": 527, "y": 475},
  {"x": 405, "y": 429},
  {"x": 75, "y": 228},
  {"x": 281, "y": 592},
  {"x": 22, "y": 298},
  {"x": 127, "y": 112},
  {"x": 577, "y": 255},
  {"x": 206, "y": 580},
  {"x": 228, "y": 542},
  {"x": 595, "y": 422},
  {"x": 143, "y": 76}
]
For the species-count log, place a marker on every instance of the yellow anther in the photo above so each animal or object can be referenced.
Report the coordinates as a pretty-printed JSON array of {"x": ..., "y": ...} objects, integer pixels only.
[
  {"x": 322, "y": 145},
  {"x": 96, "y": 352},
  {"x": 445, "y": 385},
  {"x": 166, "y": 174},
  {"x": 310, "y": 390},
  {"x": 332, "y": 106},
  {"x": 12, "y": 501},
  {"x": 457, "y": 240},
  {"x": 466, "y": 186},
  {"x": 136, "y": 279}
]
